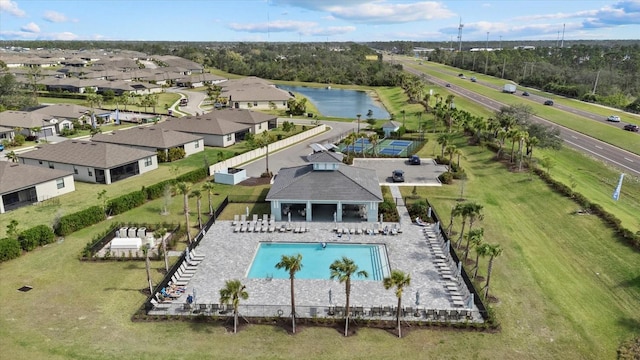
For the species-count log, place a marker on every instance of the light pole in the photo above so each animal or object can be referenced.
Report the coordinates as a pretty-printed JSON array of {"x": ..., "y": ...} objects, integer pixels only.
[
  {"x": 486, "y": 49},
  {"x": 500, "y": 44}
]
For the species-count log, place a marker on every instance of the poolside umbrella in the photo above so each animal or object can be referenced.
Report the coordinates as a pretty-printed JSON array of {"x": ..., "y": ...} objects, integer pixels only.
[
  {"x": 381, "y": 218},
  {"x": 247, "y": 211},
  {"x": 418, "y": 297},
  {"x": 187, "y": 256},
  {"x": 335, "y": 217},
  {"x": 289, "y": 216},
  {"x": 429, "y": 213},
  {"x": 470, "y": 304},
  {"x": 459, "y": 267},
  {"x": 448, "y": 246},
  {"x": 330, "y": 300},
  {"x": 194, "y": 296}
]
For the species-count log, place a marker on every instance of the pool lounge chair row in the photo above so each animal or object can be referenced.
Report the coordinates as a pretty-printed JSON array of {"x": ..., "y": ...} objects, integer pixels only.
[
  {"x": 375, "y": 229},
  {"x": 407, "y": 312}
]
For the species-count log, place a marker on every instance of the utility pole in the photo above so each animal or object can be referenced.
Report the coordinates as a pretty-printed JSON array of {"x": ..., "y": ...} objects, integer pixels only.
[
  {"x": 562, "y": 43},
  {"x": 504, "y": 64},
  {"x": 460, "y": 36},
  {"x": 486, "y": 49},
  {"x": 595, "y": 85}
]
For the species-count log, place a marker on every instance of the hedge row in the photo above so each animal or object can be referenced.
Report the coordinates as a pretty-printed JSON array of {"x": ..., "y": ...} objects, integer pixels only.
[
  {"x": 126, "y": 202},
  {"x": 11, "y": 248},
  {"x": 79, "y": 220},
  {"x": 194, "y": 176}
]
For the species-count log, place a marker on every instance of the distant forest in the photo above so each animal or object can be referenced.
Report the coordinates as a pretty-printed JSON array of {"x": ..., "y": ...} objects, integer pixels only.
[{"x": 606, "y": 72}]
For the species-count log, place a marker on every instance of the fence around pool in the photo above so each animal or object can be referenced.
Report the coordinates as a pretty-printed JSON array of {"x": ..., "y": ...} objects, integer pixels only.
[{"x": 388, "y": 147}]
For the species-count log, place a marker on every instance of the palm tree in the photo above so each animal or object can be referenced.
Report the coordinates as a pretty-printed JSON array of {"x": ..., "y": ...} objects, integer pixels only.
[
  {"x": 450, "y": 150},
  {"x": 466, "y": 210},
  {"x": 475, "y": 213},
  {"x": 482, "y": 250},
  {"x": 513, "y": 135},
  {"x": 232, "y": 292},
  {"x": 399, "y": 280},
  {"x": 11, "y": 155},
  {"x": 474, "y": 237},
  {"x": 198, "y": 195},
  {"x": 350, "y": 140},
  {"x": 444, "y": 140},
  {"x": 455, "y": 212},
  {"x": 427, "y": 99},
  {"x": 147, "y": 263},
  {"x": 522, "y": 138},
  {"x": 292, "y": 264},
  {"x": 159, "y": 234},
  {"x": 184, "y": 189},
  {"x": 343, "y": 270},
  {"x": 532, "y": 141},
  {"x": 493, "y": 251},
  {"x": 374, "y": 139},
  {"x": 209, "y": 187},
  {"x": 500, "y": 138}
]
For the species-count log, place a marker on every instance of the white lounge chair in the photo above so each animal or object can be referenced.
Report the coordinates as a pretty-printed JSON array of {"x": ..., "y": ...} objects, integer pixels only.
[{"x": 236, "y": 218}]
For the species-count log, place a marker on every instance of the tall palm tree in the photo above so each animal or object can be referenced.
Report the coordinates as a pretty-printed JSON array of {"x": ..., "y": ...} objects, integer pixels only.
[
  {"x": 184, "y": 189},
  {"x": 444, "y": 140},
  {"x": 292, "y": 264},
  {"x": 399, "y": 280},
  {"x": 159, "y": 234},
  {"x": 474, "y": 237},
  {"x": 450, "y": 150},
  {"x": 501, "y": 137},
  {"x": 482, "y": 250},
  {"x": 494, "y": 251},
  {"x": 466, "y": 210},
  {"x": 342, "y": 270},
  {"x": 232, "y": 292},
  {"x": 522, "y": 138},
  {"x": 427, "y": 99},
  {"x": 455, "y": 212},
  {"x": 475, "y": 213},
  {"x": 147, "y": 263},
  {"x": 374, "y": 139},
  {"x": 198, "y": 195},
  {"x": 350, "y": 140},
  {"x": 532, "y": 141},
  {"x": 12, "y": 156},
  {"x": 208, "y": 186}
]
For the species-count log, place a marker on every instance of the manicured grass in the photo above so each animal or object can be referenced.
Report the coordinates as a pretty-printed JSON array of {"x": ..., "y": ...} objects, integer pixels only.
[{"x": 566, "y": 288}]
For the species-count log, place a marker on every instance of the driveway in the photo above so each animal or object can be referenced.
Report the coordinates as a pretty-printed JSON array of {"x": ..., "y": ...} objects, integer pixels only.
[
  {"x": 195, "y": 99},
  {"x": 425, "y": 174}
]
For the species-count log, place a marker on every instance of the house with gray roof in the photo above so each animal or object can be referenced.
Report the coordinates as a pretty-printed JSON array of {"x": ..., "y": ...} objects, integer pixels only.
[
  {"x": 325, "y": 190},
  {"x": 92, "y": 162},
  {"x": 390, "y": 126},
  {"x": 27, "y": 121},
  {"x": 254, "y": 93},
  {"x": 153, "y": 139},
  {"x": 22, "y": 185},
  {"x": 258, "y": 122},
  {"x": 6, "y": 133},
  {"x": 59, "y": 117},
  {"x": 214, "y": 131}
]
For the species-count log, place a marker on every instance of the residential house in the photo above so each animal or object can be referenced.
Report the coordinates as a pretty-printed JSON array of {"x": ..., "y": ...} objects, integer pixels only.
[
  {"x": 28, "y": 123},
  {"x": 59, "y": 117},
  {"x": 254, "y": 93},
  {"x": 259, "y": 122},
  {"x": 153, "y": 139},
  {"x": 325, "y": 190},
  {"x": 22, "y": 185},
  {"x": 92, "y": 162},
  {"x": 389, "y": 127},
  {"x": 214, "y": 131},
  {"x": 6, "y": 133}
]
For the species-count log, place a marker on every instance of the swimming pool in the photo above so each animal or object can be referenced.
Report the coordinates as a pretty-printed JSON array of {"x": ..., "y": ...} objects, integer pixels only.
[{"x": 315, "y": 260}]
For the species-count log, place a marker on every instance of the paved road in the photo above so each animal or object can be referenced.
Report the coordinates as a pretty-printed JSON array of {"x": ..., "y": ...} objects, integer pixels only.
[
  {"x": 195, "y": 99},
  {"x": 296, "y": 155},
  {"x": 610, "y": 154}
]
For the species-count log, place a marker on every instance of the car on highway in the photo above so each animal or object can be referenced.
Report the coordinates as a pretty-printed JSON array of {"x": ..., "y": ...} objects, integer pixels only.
[
  {"x": 448, "y": 85},
  {"x": 632, "y": 127},
  {"x": 613, "y": 118},
  {"x": 414, "y": 160},
  {"x": 397, "y": 176},
  {"x": 524, "y": 93},
  {"x": 473, "y": 79},
  {"x": 548, "y": 102}
]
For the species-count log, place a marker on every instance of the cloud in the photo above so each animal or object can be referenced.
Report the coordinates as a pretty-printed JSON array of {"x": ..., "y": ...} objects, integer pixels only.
[
  {"x": 378, "y": 11},
  {"x": 330, "y": 31},
  {"x": 55, "y": 17},
  {"x": 620, "y": 13},
  {"x": 12, "y": 35},
  {"x": 274, "y": 26},
  {"x": 31, "y": 28},
  {"x": 12, "y": 8}
]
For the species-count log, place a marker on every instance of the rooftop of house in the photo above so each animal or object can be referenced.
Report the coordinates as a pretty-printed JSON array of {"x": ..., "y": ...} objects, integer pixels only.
[
  {"x": 15, "y": 176},
  {"x": 153, "y": 137}
]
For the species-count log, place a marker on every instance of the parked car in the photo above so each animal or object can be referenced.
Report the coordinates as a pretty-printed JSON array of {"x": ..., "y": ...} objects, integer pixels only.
[
  {"x": 628, "y": 127},
  {"x": 525, "y": 93},
  {"x": 414, "y": 160},
  {"x": 397, "y": 176},
  {"x": 548, "y": 102},
  {"x": 1, "y": 147},
  {"x": 613, "y": 118}
]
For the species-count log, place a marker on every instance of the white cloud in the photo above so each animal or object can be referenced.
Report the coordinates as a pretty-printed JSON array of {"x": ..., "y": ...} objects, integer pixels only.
[
  {"x": 54, "y": 16},
  {"x": 31, "y": 28},
  {"x": 383, "y": 12},
  {"x": 12, "y": 8},
  {"x": 274, "y": 26},
  {"x": 330, "y": 31}
]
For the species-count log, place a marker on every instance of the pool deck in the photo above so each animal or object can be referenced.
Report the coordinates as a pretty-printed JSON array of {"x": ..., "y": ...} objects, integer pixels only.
[{"x": 229, "y": 254}]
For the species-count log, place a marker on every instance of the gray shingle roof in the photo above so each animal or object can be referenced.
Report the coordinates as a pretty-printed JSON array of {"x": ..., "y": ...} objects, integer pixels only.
[
  {"x": 348, "y": 183},
  {"x": 87, "y": 153},
  {"x": 69, "y": 111},
  {"x": 15, "y": 176},
  {"x": 253, "y": 89},
  {"x": 242, "y": 116},
  {"x": 153, "y": 137},
  {"x": 325, "y": 157},
  {"x": 23, "y": 119},
  {"x": 202, "y": 125}
]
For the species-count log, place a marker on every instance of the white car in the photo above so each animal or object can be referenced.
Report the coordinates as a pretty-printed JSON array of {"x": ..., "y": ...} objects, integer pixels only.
[{"x": 614, "y": 118}]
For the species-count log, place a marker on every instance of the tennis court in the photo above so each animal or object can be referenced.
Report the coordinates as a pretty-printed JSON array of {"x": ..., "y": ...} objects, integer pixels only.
[{"x": 388, "y": 147}]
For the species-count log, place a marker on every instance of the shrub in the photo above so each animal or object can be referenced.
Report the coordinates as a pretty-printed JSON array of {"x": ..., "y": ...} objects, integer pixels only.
[
  {"x": 446, "y": 178},
  {"x": 176, "y": 154},
  {"x": 193, "y": 176},
  {"x": 9, "y": 249},
  {"x": 162, "y": 156},
  {"x": 79, "y": 220},
  {"x": 156, "y": 191},
  {"x": 126, "y": 202},
  {"x": 35, "y": 236}
]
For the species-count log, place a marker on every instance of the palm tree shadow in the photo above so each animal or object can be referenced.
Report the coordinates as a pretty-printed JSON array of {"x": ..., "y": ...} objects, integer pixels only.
[
  {"x": 629, "y": 323},
  {"x": 631, "y": 283}
]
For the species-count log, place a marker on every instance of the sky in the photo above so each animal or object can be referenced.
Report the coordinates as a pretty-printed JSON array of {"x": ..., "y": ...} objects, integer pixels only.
[{"x": 318, "y": 20}]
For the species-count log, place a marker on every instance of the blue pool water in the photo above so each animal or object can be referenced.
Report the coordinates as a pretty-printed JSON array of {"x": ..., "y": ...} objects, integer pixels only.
[{"x": 315, "y": 260}]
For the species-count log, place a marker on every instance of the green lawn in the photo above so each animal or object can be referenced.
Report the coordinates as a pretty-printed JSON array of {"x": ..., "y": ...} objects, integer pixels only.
[{"x": 566, "y": 289}]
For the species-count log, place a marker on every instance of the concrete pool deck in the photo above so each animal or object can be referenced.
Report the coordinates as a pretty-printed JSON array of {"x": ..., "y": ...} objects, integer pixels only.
[{"x": 228, "y": 255}]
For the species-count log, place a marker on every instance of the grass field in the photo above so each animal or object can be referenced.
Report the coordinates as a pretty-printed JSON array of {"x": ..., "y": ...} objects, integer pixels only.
[{"x": 566, "y": 289}]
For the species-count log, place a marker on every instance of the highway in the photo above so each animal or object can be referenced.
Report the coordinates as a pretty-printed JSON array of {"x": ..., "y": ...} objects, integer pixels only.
[{"x": 616, "y": 157}]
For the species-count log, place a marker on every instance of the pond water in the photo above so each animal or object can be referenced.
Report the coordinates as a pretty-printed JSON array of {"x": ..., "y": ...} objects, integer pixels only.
[{"x": 339, "y": 102}]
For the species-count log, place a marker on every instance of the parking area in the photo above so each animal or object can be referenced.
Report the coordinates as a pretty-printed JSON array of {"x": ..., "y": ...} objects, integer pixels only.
[{"x": 425, "y": 174}]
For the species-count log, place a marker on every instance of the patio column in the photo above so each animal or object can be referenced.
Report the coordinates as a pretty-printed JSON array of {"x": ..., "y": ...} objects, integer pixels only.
[
  {"x": 309, "y": 216},
  {"x": 339, "y": 211}
]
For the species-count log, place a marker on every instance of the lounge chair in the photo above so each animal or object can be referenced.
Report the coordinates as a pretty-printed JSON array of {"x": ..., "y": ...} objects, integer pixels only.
[
  {"x": 160, "y": 306},
  {"x": 243, "y": 218},
  {"x": 236, "y": 218},
  {"x": 359, "y": 230},
  {"x": 430, "y": 314},
  {"x": 196, "y": 256},
  {"x": 272, "y": 228}
]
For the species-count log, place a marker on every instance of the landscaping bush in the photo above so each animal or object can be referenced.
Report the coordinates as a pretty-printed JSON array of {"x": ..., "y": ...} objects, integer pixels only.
[
  {"x": 35, "y": 236},
  {"x": 162, "y": 156},
  {"x": 176, "y": 154},
  {"x": 79, "y": 220},
  {"x": 193, "y": 176},
  {"x": 446, "y": 178},
  {"x": 418, "y": 209},
  {"x": 156, "y": 191},
  {"x": 9, "y": 249},
  {"x": 126, "y": 202}
]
